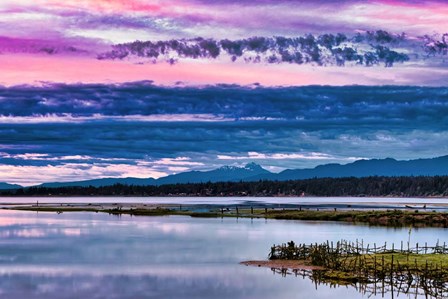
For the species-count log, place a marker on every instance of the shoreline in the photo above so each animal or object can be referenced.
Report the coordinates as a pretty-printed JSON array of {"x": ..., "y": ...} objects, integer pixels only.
[{"x": 379, "y": 216}]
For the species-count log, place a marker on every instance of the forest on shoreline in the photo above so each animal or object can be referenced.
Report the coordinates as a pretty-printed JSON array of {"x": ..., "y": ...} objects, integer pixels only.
[{"x": 420, "y": 186}]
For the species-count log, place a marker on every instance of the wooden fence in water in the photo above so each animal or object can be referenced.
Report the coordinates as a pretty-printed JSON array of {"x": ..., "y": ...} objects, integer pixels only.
[
  {"x": 392, "y": 286},
  {"x": 400, "y": 267},
  {"x": 301, "y": 251}
]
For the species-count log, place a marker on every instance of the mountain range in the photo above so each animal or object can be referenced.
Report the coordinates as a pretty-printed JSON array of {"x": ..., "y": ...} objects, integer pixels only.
[{"x": 254, "y": 172}]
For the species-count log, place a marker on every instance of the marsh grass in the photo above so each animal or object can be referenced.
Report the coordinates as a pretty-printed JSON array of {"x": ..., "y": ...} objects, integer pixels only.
[
  {"x": 397, "y": 218},
  {"x": 393, "y": 218}
]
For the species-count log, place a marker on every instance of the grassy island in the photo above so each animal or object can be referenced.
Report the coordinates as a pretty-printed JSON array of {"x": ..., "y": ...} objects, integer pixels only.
[
  {"x": 417, "y": 269},
  {"x": 395, "y": 218}
]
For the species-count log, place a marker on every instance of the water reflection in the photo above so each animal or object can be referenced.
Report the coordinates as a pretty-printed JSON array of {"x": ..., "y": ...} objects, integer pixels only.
[
  {"x": 89, "y": 255},
  {"x": 389, "y": 286}
]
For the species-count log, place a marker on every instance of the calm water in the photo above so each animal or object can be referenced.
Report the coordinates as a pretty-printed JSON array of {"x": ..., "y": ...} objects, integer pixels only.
[
  {"x": 89, "y": 255},
  {"x": 362, "y": 201}
]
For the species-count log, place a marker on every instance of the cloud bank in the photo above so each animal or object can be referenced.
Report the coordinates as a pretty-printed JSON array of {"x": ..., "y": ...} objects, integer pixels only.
[
  {"x": 95, "y": 125},
  {"x": 371, "y": 48},
  {"x": 53, "y": 40},
  {"x": 141, "y": 129}
]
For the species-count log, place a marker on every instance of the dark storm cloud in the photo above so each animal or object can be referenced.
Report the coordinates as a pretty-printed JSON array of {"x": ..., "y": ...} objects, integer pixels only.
[
  {"x": 370, "y": 48},
  {"x": 131, "y": 142},
  {"x": 309, "y": 106},
  {"x": 266, "y": 120}
]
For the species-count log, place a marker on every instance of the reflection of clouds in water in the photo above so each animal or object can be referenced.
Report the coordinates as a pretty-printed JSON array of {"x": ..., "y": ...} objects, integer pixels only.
[
  {"x": 252, "y": 231},
  {"x": 256, "y": 235},
  {"x": 32, "y": 233},
  {"x": 170, "y": 228},
  {"x": 164, "y": 225},
  {"x": 25, "y": 233},
  {"x": 81, "y": 254},
  {"x": 7, "y": 221},
  {"x": 165, "y": 271},
  {"x": 210, "y": 281},
  {"x": 48, "y": 287},
  {"x": 71, "y": 232},
  {"x": 39, "y": 232}
]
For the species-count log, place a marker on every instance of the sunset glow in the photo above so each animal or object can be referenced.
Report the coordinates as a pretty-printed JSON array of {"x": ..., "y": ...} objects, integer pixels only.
[{"x": 110, "y": 88}]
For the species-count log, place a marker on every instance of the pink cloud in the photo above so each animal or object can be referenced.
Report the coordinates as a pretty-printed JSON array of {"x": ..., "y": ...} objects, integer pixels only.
[
  {"x": 404, "y": 17},
  {"x": 24, "y": 69},
  {"x": 32, "y": 69},
  {"x": 105, "y": 5},
  {"x": 31, "y": 175},
  {"x": 225, "y": 19}
]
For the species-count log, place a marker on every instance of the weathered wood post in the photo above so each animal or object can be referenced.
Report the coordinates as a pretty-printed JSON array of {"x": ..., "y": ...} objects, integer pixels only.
[
  {"x": 392, "y": 267},
  {"x": 374, "y": 267}
]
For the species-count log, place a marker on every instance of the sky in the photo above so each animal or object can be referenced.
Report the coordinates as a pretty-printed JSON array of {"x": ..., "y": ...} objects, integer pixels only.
[{"x": 113, "y": 88}]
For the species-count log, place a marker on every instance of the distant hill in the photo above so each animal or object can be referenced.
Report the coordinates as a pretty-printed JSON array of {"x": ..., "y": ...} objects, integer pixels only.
[
  {"x": 374, "y": 167},
  {"x": 6, "y": 186},
  {"x": 254, "y": 172},
  {"x": 225, "y": 173}
]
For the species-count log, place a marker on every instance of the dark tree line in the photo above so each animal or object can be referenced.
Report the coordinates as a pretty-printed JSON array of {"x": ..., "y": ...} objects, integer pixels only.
[{"x": 351, "y": 186}]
